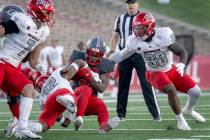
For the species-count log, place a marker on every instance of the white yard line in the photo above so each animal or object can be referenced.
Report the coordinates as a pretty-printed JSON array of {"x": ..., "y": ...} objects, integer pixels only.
[
  {"x": 201, "y": 136},
  {"x": 173, "y": 139}
]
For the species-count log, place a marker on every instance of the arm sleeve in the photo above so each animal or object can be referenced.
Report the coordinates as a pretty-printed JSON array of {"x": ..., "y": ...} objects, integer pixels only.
[
  {"x": 121, "y": 55},
  {"x": 10, "y": 27},
  {"x": 125, "y": 53}
]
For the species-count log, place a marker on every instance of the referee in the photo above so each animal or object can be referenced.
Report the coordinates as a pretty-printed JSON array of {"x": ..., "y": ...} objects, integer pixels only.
[{"x": 122, "y": 29}]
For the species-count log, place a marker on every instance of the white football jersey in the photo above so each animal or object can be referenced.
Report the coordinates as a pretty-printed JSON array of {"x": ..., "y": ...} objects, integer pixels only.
[
  {"x": 53, "y": 83},
  {"x": 156, "y": 54},
  {"x": 17, "y": 45}
]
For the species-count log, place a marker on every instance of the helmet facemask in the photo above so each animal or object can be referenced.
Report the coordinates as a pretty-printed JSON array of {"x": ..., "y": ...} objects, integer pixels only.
[
  {"x": 95, "y": 51},
  {"x": 140, "y": 31},
  {"x": 93, "y": 57}
]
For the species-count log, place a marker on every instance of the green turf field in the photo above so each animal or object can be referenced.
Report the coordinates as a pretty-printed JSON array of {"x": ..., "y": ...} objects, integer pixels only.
[{"x": 138, "y": 126}]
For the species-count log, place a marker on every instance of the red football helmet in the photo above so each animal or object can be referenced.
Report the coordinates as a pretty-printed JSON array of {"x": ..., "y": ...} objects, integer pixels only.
[
  {"x": 143, "y": 25},
  {"x": 42, "y": 10},
  {"x": 40, "y": 81},
  {"x": 95, "y": 51}
]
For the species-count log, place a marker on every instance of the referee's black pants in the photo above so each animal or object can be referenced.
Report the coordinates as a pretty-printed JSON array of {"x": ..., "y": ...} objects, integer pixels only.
[{"x": 125, "y": 73}]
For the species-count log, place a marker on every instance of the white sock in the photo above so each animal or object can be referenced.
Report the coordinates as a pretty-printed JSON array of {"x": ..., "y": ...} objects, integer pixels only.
[
  {"x": 180, "y": 118},
  {"x": 62, "y": 120},
  {"x": 193, "y": 95},
  {"x": 25, "y": 110},
  {"x": 35, "y": 126}
]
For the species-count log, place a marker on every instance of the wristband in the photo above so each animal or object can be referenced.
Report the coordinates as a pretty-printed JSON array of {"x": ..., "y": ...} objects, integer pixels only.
[{"x": 75, "y": 66}]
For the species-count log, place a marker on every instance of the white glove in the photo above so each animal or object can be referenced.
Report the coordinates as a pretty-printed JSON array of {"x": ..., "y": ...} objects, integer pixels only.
[
  {"x": 41, "y": 68},
  {"x": 180, "y": 68},
  {"x": 96, "y": 76}
]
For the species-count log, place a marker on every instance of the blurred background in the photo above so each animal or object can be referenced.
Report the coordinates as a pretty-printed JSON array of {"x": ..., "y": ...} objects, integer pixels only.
[{"x": 78, "y": 20}]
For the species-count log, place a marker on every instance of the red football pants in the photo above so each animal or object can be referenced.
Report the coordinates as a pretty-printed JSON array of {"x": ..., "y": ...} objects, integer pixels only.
[
  {"x": 88, "y": 104},
  {"x": 53, "y": 109}
]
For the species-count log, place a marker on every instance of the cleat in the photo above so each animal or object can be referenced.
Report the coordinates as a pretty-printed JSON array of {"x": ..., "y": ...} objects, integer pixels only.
[
  {"x": 158, "y": 119},
  {"x": 11, "y": 127},
  {"x": 26, "y": 134},
  {"x": 122, "y": 119},
  {"x": 194, "y": 115},
  {"x": 78, "y": 122},
  {"x": 112, "y": 123},
  {"x": 182, "y": 125}
]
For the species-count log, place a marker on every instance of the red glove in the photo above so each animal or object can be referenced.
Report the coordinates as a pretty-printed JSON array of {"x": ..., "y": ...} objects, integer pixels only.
[{"x": 84, "y": 75}]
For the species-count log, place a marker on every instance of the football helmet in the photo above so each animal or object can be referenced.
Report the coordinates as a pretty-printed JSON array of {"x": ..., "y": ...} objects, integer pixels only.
[
  {"x": 95, "y": 51},
  {"x": 40, "y": 82},
  {"x": 42, "y": 10},
  {"x": 143, "y": 25},
  {"x": 7, "y": 11}
]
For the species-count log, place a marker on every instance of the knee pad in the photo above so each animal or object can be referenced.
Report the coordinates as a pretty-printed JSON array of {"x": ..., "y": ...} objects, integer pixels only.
[
  {"x": 13, "y": 99},
  {"x": 195, "y": 91}
]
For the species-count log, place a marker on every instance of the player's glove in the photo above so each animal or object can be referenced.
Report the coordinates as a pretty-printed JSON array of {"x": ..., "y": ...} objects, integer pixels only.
[
  {"x": 180, "y": 68},
  {"x": 41, "y": 68},
  {"x": 84, "y": 75}
]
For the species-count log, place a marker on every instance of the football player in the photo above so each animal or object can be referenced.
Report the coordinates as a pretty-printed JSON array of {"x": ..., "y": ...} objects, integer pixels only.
[
  {"x": 156, "y": 45},
  {"x": 56, "y": 96},
  {"x": 88, "y": 88},
  {"x": 25, "y": 34}
]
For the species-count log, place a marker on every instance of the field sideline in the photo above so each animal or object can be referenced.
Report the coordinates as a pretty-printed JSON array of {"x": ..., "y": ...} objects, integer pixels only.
[{"x": 138, "y": 126}]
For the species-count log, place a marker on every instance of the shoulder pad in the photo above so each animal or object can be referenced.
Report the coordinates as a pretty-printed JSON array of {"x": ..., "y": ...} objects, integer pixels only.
[
  {"x": 168, "y": 34},
  {"x": 77, "y": 55},
  {"x": 23, "y": 21},
  {"x": 7, "y": 11},
  {"x": 106, "y": 66}
]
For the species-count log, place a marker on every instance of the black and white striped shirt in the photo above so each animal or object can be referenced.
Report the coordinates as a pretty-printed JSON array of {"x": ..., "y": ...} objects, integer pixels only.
[{"x": 123, "y": 25}]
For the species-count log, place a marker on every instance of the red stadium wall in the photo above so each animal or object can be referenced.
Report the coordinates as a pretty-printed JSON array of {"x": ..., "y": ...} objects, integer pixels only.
[{"x": 198, "y": 69}]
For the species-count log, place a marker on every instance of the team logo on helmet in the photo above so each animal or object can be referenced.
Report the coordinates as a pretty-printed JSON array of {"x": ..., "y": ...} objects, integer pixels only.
[{"x": 42, "y": 2}]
